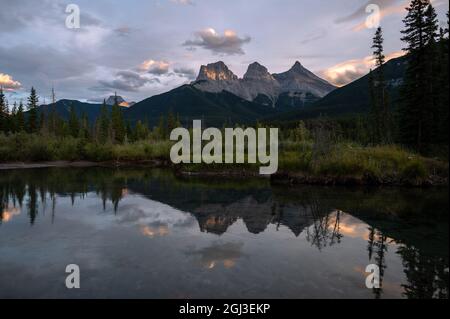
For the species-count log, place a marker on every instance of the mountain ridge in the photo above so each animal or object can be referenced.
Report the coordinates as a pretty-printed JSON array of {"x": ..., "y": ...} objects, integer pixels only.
[{"x": 296, "y": 83}]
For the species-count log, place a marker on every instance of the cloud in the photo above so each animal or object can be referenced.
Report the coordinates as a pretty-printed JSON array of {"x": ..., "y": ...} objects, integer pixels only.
[
  {"x": 229, "y": 43},
  {"x": 361, "y": 11},
  {"x": 351, "y": 70},
  {"x": 123, "y": 31},
  {"x": 21, "y": 14},
  {"x": 186, "y": 73},
  {"x": 8, "y": 83},
  {"x": 183, "y": 2},
  {"x": 314, "y": 36},
  {"x": 387, "y": 8},
  {"x": 154, "y": 67},
  {"x": 127, "y": 81}
]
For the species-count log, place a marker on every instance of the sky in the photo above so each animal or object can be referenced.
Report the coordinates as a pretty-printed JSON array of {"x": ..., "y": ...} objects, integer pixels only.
[{"x": 141, "y": 48}]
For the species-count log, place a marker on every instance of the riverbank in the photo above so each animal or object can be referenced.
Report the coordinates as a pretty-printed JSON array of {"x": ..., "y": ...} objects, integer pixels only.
[
  {"x": 290, "y": 178},
  {"x": 299, "y": 162}
]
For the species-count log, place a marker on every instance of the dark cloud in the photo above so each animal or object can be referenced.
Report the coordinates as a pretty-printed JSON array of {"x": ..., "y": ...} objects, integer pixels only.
[
  {"x": 30, "y": 61},
  {"x": 229, "y": 43},
  {"x": 186, "y": 73},
  {"x": 127, "y": 81}
]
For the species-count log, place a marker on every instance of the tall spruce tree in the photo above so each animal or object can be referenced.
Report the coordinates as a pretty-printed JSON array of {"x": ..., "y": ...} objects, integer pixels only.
[
  {"x": 33, "y": 121},
  {"x": 117, "y": 122},
  {"x": 74, "y": 123},
  {"x": 381, "y": 118},
  {"x": 20, "y": 119},
  {"x": 103, "y": 124},
  {"x": 415, "y": 119},
  {"x": 3, "y": 112}
]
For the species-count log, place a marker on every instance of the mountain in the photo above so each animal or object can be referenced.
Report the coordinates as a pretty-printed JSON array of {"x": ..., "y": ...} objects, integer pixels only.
[
  {"x": 112, "y": 99},
  {"x": 353, "y": 98},
  {"x": 297, "y": 87},
  {"x": 62, "y": 108},
  {"x": 190, "y": 103},
  {"x": 300, "y": 79}
]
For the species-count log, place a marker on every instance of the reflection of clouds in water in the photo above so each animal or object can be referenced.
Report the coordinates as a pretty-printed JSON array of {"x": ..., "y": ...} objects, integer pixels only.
[
  {"x": 152, "y": 232},
  {"x": 219, "y": 254},
  {"x": 150, "y": 216},
  {"x": 9, "y": 213},
  {"x": 353, "y": 227}
]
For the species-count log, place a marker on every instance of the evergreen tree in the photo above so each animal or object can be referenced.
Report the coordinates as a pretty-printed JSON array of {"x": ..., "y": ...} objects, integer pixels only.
[
  {"x": 103, "y": 124},
  {"x": 381, "y": 118},
  {"x": 13, "y": 118},
  {"x": 74, "y": 124},
  {"x": 3, "y": 111},
  {"x": 442, "y": 71},
  {"x": 20, "y": 119},
  {"x": 117, "y": 123},
  {"x": 33, "y": 101},
  {"x": 415, "y": 119},
  {"x": 161, "y": 129},
  {"x": 84, "y": 127},
  {"x": 52, "y": 118}
]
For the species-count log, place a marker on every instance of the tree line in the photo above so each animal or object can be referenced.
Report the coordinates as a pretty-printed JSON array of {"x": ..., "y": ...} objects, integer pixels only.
[
  {"x": 109, "y": 127},
  {"x": 420, "y": 120}
]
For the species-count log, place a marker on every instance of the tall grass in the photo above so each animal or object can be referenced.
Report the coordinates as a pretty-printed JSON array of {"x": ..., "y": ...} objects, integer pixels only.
[{"x": 318, "y": 157}]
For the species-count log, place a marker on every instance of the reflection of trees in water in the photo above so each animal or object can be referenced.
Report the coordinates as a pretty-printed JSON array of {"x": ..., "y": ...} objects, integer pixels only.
[
  {"x": 37, "y": 187},
  {"x": 378, "y": 245},
  {"x": 325, "y": 230},
  {"x": 427, "y": 276}
]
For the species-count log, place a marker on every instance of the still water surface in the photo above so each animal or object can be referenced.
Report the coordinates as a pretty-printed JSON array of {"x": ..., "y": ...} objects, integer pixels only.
[{"x": 139, "y": 233}]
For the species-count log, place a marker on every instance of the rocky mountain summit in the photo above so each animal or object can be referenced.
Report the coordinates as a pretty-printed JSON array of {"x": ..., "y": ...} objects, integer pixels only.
[
  {"x": 296, "y": 87},
  {"x": 120, "y": 101}
]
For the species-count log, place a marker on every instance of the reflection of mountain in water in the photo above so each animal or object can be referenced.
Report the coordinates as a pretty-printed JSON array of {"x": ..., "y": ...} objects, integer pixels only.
[{"x": 403, "y": 216}]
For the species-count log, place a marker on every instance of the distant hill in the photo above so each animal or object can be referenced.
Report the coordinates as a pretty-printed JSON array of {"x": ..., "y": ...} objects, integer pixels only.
[
  {"x": 352, "y": 98},
  {"x": 190, "y": 103},
  {"x": 62, "y": 108}
]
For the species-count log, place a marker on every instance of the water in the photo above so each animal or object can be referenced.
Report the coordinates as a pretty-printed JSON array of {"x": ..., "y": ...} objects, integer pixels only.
[{"x": 139, "y": 233}]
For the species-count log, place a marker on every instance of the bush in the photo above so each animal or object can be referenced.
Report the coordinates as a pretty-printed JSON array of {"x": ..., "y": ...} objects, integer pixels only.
[
  {"x": 98, "y": 152},
  {"x": 414, "y": 170}
]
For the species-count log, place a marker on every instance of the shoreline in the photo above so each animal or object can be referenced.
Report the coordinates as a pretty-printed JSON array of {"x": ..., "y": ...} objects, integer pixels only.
[{"x": 280, "y": 178}]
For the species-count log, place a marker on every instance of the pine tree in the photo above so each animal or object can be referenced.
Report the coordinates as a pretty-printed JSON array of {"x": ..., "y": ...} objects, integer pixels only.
[
  {"x": 13, "y": 118},
  {"x": 415, "y": 119},
  {"x": 74, "y": 124},
  {"x": 33, "y": 101},
  {"x": 20, "y": 119},
  {"x": 103, "y": 124},
  {"x": 3, "y": 111},
  {"x": 84, "y": 127},
  {"x": 117, "y": 123},
  {"x": 161, "y": 129},
  {"x": 381, "y": 117},
  {"x": 52, "y": 118}
]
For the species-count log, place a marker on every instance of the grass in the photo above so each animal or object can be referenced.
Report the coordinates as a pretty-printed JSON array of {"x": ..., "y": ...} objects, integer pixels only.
[
  {"x": 33, "y": 148},
  {"x": 380, "y": 163}
]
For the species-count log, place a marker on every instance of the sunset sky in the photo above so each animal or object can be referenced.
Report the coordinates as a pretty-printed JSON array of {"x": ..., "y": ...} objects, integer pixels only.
[{"x": 141, "y": 48}]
